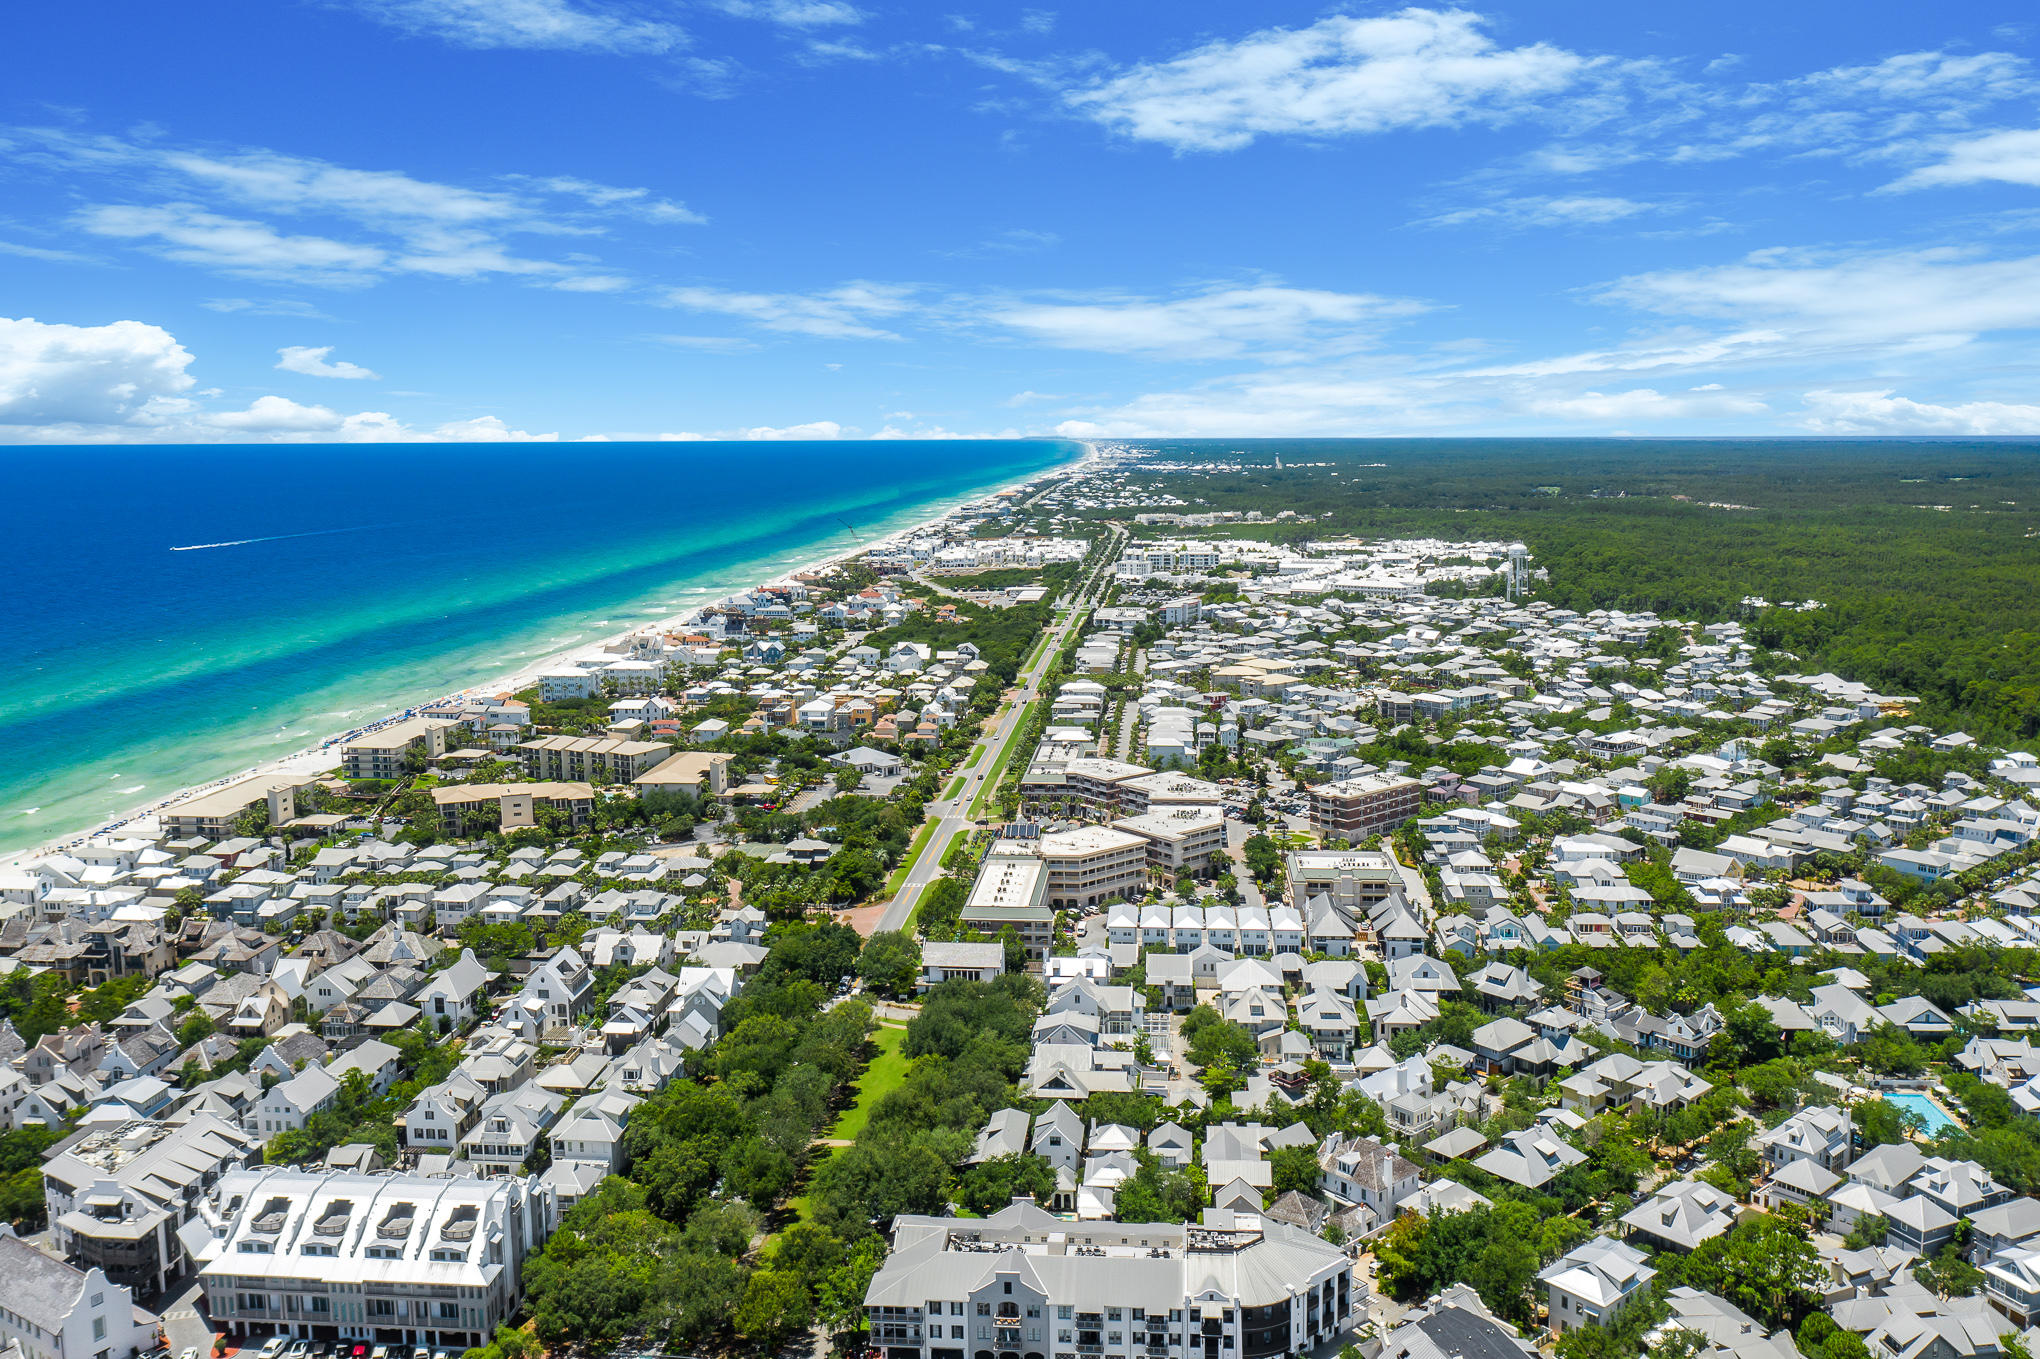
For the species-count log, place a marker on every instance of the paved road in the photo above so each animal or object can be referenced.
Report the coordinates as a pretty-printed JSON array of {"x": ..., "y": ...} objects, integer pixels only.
[{"x": 953, "y": 814}]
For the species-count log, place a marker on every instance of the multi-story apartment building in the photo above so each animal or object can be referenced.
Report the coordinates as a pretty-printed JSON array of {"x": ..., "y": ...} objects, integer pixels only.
[
  {"x": 588, "y": 758},
  {"x": 213, "y": 815},
  {"x": 371, "y": 1259},
  {"x": 1367, "y": 804},
  {"x": 1025, "y": 1284},
  {"x": 1355, "y": 879},
  {"x": 1088, "y": 864},
  {"x": 384, "y": 754},
  {"x": 117, "y": 1194},
  {"x": 468, "y": 808},
  {"x": 1011, "y": 892},
  {"x": 1083, "y": 786},
  {"x": 1179, "y": 839}
]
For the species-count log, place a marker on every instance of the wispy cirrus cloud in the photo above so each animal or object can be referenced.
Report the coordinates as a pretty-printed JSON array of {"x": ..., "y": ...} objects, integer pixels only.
[
  {"x": 265, "y": 306},
  {"x": 1548, "y": 210},
  {"x": 850, "y": 311},
  {"x": 189, "y": 234},
  {"x": 370, "y": 223},
  {"x": 794, "y": 13},
  {"x": 553, "y": 25},
  {"x": 1266, "y": 319},
  {"x": 1270, "y": 320},
  {"x": 1927, "y": 297}
]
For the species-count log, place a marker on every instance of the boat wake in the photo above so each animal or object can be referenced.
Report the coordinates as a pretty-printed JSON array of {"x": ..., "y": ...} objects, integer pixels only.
[{"x": 277, "y": 538}]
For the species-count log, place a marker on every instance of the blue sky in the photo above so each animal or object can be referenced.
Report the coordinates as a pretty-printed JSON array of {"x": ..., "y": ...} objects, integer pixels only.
[{"x": 477, "y": 219}]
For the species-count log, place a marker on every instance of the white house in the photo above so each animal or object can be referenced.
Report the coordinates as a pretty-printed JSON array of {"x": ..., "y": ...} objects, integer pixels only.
[{"x": 53, "y": 1310}]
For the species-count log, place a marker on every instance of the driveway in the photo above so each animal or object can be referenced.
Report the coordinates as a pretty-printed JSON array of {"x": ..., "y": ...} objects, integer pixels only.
[{"x": 184, "y": 1323}]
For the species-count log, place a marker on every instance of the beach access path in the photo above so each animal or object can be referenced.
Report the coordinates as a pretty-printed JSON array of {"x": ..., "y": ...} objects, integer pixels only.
[{"x": 952, "y": 814}]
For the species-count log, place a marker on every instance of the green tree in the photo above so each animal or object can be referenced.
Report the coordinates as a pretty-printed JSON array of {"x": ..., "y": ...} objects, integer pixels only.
[
  {"x": 1764, "y": 1265},
  {"x": 1294, "y": 1169},
  {"x": 991, "y": 1185},
  {"x": 776, "y": 1304},
  {"x": 890, "y": 963}
]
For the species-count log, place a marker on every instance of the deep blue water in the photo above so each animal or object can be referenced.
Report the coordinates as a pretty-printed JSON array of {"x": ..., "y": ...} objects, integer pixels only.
[{"x": 328, "y": 583}]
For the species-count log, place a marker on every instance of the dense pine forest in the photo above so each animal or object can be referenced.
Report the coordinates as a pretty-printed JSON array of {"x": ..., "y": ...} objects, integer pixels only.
[{"x": 1925, "y": 553}]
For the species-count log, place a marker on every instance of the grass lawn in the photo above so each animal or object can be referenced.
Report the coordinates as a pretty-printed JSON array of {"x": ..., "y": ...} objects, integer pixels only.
[
  {"x": 975, "y": 752},
  {"x": 954, "y": 785},
  {"x": 888, "y": 1068},
  {"x": 899, "y": 877}
]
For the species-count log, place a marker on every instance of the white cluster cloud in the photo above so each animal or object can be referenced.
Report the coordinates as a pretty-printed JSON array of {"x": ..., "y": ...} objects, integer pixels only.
[
  {"x": 1340, "y": 76},
  {"x": 127, "y": 382},
  {"x": 312, "y": 362},
  {"x": 1835, "y": 412},
  {"x": 65, "y": 375},
  {"x": 2007, "y": 157}
]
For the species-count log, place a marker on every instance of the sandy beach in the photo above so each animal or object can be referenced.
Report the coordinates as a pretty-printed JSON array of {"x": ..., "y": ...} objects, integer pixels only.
[{"x": 322, "y": 756}]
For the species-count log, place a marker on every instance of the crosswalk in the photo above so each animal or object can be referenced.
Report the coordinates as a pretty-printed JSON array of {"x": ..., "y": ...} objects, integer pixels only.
[{"x": 181, "y": 1314}]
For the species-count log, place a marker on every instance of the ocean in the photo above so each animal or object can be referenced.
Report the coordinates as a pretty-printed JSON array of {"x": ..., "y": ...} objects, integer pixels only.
[{"x": 176, "y": 614}]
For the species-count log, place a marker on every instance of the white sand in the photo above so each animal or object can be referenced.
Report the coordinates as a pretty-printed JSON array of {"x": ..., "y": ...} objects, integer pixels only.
[{"x": 144, "y": 821}]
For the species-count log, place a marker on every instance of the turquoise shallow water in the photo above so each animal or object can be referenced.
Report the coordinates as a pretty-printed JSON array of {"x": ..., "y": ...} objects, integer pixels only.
[{"x": 176, "y": 614}]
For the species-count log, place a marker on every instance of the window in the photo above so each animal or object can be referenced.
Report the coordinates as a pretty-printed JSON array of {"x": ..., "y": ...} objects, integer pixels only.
[
  {"x": 99, "y": 1328},
  {"x": 934, "y": 1309}
]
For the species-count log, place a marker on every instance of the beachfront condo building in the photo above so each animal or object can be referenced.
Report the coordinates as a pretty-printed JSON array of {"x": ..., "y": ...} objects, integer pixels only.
[
  {"x": 591, "y": 758},
  {"x": 387, "y": 754}
]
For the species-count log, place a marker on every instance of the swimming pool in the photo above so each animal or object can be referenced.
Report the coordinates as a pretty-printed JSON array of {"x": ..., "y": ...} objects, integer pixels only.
[{"x": 1932, "y": 1116}]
